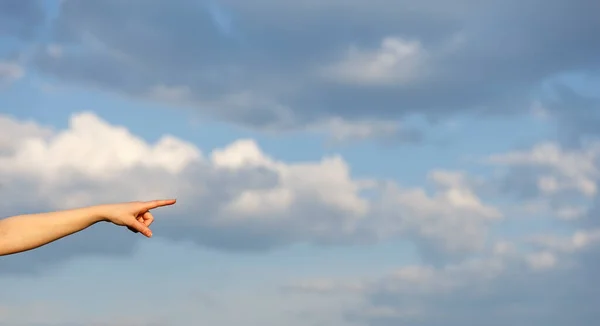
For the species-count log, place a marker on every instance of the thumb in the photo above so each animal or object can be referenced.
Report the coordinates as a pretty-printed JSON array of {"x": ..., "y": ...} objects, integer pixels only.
[{"x": 140, "y": 227}]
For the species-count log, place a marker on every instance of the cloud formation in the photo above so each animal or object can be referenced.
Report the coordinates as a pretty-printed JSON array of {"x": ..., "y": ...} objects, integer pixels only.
[
  {"x": 515, "y": 283},
  {"x": 540, "y": 277},
  {"x": 515, "y": 246},
  {"x": 551, "y": 179},
  {"x": 240, "y": 198},
  {"x": 233, "y": 198},
  {"x": 357, "y": 60}
]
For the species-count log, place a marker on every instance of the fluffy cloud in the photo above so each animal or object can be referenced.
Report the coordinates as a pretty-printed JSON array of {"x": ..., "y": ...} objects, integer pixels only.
[
  {"x": 239, "y": 198},
  {"x": 373, "y": 60},
  {"x": 233, "y": 198}
]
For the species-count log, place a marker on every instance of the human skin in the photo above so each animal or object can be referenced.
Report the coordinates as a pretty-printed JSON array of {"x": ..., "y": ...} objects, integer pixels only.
[{"x": 26, "y": 232}]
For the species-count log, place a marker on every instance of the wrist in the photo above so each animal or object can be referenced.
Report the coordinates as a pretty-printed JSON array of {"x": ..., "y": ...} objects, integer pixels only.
[{"x": 97, "y": 213}]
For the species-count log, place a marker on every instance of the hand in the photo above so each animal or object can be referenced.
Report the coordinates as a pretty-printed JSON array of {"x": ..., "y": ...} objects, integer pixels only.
[{"x": 135, "y": 216}]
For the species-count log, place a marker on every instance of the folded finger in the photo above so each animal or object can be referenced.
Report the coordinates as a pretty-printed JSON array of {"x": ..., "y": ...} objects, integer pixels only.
[
  {"x": 140, "y": 227},
  {"x": 147, "y": 218}
]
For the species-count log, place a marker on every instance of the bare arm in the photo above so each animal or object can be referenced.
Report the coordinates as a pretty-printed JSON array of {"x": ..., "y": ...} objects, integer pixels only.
[{"x": 26, "y": 232}]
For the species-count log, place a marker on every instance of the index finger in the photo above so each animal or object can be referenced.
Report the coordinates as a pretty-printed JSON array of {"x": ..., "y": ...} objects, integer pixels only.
[{"x": 158, "y": 203}]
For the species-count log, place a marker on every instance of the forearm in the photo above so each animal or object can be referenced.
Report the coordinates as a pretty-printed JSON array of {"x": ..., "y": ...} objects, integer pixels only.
[{"x": 26, "y": 232}]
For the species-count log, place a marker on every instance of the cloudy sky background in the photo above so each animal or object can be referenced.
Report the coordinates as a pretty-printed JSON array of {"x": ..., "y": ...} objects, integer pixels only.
[{"x": 337, "y": 163}]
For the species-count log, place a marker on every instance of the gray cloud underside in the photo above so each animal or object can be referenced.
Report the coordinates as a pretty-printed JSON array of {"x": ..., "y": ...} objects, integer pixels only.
[
  {"x": 260, "y": 63},
  {"x": 20, "y": 18}
]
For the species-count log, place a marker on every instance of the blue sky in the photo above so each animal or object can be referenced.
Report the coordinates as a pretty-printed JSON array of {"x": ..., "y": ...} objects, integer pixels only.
[{"x": 336, "y": 163}]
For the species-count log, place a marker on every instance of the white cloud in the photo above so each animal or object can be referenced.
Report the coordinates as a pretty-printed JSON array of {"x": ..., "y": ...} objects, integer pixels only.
[
  {"x": 396, "y": 61},
  {"x": 234, "y": 197},
  {"x": 328, "y": 180},
  {"x": 453, "y": 206},
  {"x": 107, "y": 151},
  {"x": 14, "y": 133}
]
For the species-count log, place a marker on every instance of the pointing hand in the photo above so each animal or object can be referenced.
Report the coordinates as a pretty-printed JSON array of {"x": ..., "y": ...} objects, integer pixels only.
[{"x": 135, "y": 216}]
